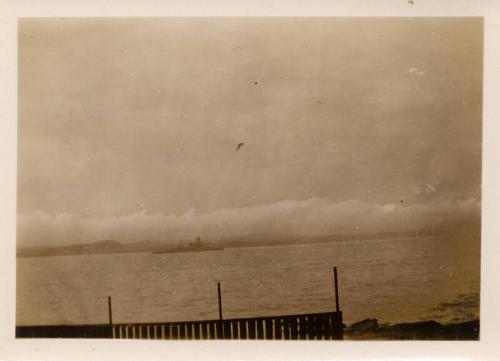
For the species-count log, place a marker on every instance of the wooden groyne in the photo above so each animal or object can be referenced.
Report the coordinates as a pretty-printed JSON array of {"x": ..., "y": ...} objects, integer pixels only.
[{"x": 312, "y": 326}]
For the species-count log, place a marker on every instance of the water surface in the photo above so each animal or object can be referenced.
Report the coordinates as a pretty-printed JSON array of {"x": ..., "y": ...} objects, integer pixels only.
[{"x": 393, "y": 280}]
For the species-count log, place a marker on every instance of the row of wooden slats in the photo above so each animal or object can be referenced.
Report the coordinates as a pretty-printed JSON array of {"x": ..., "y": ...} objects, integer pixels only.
[
  {"x": 307, "y": 327},
  {"x": 323, "y": 326}
]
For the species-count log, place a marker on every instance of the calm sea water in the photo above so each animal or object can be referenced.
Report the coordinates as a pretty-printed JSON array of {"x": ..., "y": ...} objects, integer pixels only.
[{"x": 393, "y": 280}]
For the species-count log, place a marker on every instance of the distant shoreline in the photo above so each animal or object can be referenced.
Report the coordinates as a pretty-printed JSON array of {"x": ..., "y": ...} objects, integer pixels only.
[{"x": 115, "y": 247}]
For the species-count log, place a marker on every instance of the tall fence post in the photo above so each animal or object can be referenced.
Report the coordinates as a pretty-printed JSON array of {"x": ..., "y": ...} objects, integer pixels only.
[
  {"x": 337, "y": 306},
  {"x": 110, "y": 315},
  {"x": 220, "y": 326},
  {"x": 338, "y": 325},
  {"x": 220, "y": 301},
  {"x": 110, "y": 311}
]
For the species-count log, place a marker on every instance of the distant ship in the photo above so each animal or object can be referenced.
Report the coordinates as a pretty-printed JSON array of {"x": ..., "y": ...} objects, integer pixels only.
[{"x": 196, "y": 246}]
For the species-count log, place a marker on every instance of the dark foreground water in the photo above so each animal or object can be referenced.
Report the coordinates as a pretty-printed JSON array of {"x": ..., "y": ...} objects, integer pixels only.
[{"x": 393, "y": 280}]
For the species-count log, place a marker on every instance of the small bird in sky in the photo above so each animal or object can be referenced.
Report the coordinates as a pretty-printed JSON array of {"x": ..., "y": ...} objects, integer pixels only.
[
  {"x": 239, "y": 146},
  {"x": 402, "y": 203}
]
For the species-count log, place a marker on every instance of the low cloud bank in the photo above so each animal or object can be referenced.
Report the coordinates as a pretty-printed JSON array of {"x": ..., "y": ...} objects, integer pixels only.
[{"x": 306, "y": 218}]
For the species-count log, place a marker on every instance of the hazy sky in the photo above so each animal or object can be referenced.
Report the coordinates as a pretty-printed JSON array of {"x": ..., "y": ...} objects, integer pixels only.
[{"x": 128, "y": 128}]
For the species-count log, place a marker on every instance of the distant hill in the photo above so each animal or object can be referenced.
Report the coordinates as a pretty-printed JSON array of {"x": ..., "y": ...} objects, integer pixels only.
[
  {"x": 100, "y": 247},
  {"x": 465, "y": 230}
]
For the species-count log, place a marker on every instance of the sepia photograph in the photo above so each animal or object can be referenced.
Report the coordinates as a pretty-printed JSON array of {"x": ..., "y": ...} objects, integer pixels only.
[{"x": 249, "y": 178}]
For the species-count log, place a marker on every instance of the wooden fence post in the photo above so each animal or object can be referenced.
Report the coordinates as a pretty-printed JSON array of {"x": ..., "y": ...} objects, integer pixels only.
[
  {"x": 110, "y": 312},
  {"x": 336, "y": 289},
  {"x": 338, "y": 326},
  {"x": 220, "y": 324},
  {"x": 220, "y": 301}
]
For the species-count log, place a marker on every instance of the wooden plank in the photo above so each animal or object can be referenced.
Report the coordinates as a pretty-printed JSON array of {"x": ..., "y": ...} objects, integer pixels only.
[
  {"x": 212, "y": 328},
  {"x": 275, "y": 333},
  {"x": 197, "y": 332},
  {"x": 235, "y": 332},
  {"x": 189, "y": 331},
  {"x": 219, "y": 334},
  {"x": 182, "y": 331},
  {"x": 279, "y": 328},
  {"x": 314, "y": 327},
  {"x": 82, "y": 331},
  {"x": 251, "y": 329},
  {"x": 268, "y": 327},
  {"x": 243, "y": 329},
  {"x": 324, "y": 327},
  {"x": 175, "y": 331},
  {"x": 99, "y": 332},
  {"x": 260, "y": 329},
  {"x": 226, "y": 330},
  {"x": 109, "y": 332},
  {"x": 304, "y": 329},
  {"x": 204, "y": 331},
  {"x": 319, "y": 327},
  {"x": 96, "y": 331},
  {"x": 328, "y": 327},
  {"x": 294, "y": 331},
  {"x": 195, "y": 326},
  {"x": 286, "y": 328}
]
